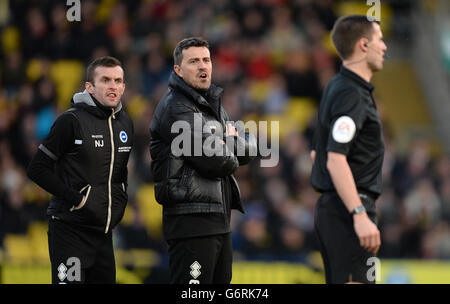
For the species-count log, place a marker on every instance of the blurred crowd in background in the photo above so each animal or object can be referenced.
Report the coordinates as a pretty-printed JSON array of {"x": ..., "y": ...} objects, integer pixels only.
[{"x": 267, "y": 55}]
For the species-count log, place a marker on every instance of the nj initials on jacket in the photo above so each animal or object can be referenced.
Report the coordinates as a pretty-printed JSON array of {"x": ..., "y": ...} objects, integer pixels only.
[{"x": 99, "y": 143}]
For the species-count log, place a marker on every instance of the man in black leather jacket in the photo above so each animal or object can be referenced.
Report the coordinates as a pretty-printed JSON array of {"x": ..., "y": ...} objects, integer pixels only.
[{"x": 193, "y": 169}]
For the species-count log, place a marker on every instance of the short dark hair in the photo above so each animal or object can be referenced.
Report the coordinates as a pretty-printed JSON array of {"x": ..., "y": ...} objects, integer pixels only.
[
  {"x": 347, "y": 30},
  {"x": 185, "y": 44},
  {"x": 106, "y": 61}
]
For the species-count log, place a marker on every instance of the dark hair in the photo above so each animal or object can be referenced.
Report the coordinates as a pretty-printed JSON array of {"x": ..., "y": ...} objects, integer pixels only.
[
  {"x": 348, "y": 30},
  {"x": 106, "y": 61},
  {"x": 187, "y": 43}
]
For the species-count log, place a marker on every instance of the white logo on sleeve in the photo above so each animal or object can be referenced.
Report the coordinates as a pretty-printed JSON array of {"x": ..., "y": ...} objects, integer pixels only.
[{"x": 344, "y": 129}]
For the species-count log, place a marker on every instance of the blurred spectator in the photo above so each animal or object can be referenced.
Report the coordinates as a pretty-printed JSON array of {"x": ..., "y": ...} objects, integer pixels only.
[
  {"x": 444, "y": 191},
  {"x": 13, "y": 218},
  {"x": 61, "y": 43},
  {"x": 35, "y": 36},
  {"x": 441, "y": 170},
  {"x": 13, "y": 74},
  {"x": 436, "y": 242},
  {"x": 277, "y": 96},
  {"x": 415, "y": 167},
  {"x": 89, "y": 35},
  {"x": 300, "y": 78},
  {"x": 156, "y": 72},
  {"x": 422, "y": 204},
  {"x": 253, "y": 238}
]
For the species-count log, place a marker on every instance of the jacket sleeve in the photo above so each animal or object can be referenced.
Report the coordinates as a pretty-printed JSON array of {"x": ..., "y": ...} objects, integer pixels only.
[
  {"x": 205, "y": 152},
  {"x": 41, "y": 168},
  {"x": 347, "y": 116},
  {"x": 244, "y": 146}
]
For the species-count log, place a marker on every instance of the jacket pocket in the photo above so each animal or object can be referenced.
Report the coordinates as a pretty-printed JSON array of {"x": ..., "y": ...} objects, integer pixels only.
[
  {"x": 179, "y": 187},
  {"x": 86, "y": 190},
  {"x": 198, "y": 195},
  {"x": 203, "y": 190},
  {"x": 186, "y": 176},
  {"x": 95, "y": 208}
]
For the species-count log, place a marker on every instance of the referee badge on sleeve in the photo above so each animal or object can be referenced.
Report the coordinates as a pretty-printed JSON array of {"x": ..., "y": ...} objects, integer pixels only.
[{"x": 344, "y": 129}]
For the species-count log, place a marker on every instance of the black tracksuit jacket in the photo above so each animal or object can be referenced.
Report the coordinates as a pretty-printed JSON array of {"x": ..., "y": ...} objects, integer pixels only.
[{"x": 86, "y": 153}]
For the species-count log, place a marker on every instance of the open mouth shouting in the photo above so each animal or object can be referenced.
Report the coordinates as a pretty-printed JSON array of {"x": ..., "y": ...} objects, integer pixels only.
[
  {"x": 203, "y": 75},
  {"x": 112, "y": 95}
]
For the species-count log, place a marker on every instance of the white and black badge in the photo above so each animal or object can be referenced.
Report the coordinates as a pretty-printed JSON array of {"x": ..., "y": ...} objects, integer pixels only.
[{"x": 344, "y": 129}]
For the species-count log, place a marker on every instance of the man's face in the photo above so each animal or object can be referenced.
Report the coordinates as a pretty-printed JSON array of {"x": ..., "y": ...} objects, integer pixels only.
[
  {"x": 376, "y": 49},
  {"x": 108, "y": 85},
  {"x": 196, "y": 67}
]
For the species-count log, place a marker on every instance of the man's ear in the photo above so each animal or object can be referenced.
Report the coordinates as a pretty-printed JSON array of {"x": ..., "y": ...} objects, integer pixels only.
[
  {"x": 123, "y": 91},
  {"x": 363, "y": 44},
  {"x": 89, "y": 87},
  {"x": 177, "y": 70}
]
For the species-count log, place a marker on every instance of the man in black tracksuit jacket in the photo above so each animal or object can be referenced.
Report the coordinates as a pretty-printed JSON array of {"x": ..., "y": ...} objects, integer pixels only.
[
  {"x": 83, "y": 164},
  {"x": 197, "y": 191}
]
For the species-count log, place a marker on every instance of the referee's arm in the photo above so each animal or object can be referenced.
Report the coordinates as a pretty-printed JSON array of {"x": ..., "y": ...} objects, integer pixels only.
[{"x": 342, "y": 177}]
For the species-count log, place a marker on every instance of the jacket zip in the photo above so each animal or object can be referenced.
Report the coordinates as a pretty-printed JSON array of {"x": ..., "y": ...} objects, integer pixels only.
[{"x": 111, "y": 165}]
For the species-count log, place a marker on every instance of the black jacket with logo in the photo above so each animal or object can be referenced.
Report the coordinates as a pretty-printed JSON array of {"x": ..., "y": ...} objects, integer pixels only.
[
  {"x": 86, "y": 153},
  {"x": 195, "y": 183}
]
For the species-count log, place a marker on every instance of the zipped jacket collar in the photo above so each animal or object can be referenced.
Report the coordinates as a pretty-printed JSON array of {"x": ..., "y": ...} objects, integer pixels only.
[
  {"x": 84, "y": 100},
  {"x": 214, "y": 92}
]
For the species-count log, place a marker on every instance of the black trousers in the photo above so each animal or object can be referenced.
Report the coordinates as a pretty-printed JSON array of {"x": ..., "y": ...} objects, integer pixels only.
[
  {"x": 201, "y": 260},
  {"x": 344, "y": 258},
  {"x": 79, "y": 255}
]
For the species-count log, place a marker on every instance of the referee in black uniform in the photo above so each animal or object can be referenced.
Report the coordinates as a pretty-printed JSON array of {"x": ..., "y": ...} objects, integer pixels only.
[{"x": 348, "y": 154}]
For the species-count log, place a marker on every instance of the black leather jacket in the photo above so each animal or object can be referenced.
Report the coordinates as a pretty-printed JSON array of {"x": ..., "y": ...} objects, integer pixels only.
[{"x": 189, "y": 184}]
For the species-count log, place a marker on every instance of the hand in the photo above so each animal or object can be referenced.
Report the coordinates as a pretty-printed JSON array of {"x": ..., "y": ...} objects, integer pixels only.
[
  {"x": 231, "y": 130},
  {"x": 312, "y": 155},
  {"x": 80, "y": 205},
  {"x": 367, "y": 232}
]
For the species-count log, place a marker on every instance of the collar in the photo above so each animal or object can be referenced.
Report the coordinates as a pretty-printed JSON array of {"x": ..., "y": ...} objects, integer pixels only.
[
  {"x": 358, "y": 79},
  {"x": 106, "y": 110},
  {"x": 88, "y": 102},
  {"x": 214, "y": 92}
]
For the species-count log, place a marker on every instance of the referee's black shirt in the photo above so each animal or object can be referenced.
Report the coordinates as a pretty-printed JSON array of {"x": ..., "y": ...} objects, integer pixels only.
[{"x": 348, "y": 123}]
